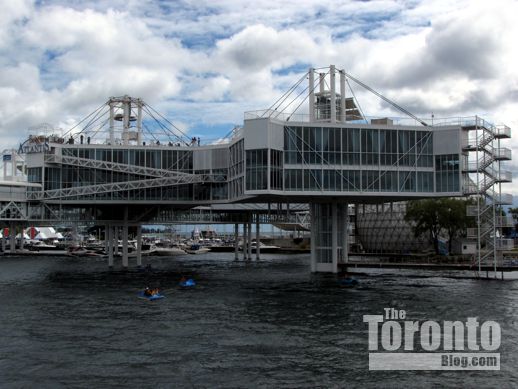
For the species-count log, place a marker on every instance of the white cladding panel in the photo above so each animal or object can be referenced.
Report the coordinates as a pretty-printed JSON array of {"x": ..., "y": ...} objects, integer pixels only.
[
  {"x": 220, "y": 158},
  {"x": 263, "y": 133},
  {"x": 205, "y": 159},
  {"x": 34, "y": 160},
  {"x": 256, "y": 133},
  {"x": 276, "y": 140},
  {"x": 446, "y": 141},
  {"x": 202, "y": 159}
]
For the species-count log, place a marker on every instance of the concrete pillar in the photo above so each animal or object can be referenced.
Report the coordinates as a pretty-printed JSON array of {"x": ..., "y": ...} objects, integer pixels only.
[
  {"x": 313, "y": 237},
  {"x": 311, "y": 95},
  {"x": 22, "y": 239},
  {"x": 249, "y": 257},
  {"x": 343, "y": 115},
  {"x": 139, "y": 245},
  {"x": 116, "y": 240},
  {"x": 125, "y": 239},
  {"x": 110, "y": 232},
  {"x": 334, "y": 237},
  {"x": 12, "y": 238},
  {"x": 245, "y": 237},
  {"x": 345, "y": 248},
  {"x": 333, "y": 93},
  {"x": 106, "y": 238},
  {"x": 236, "y": 241},
  {"x": 325, "y": 219},
  {"x": 257, "y": 240}
]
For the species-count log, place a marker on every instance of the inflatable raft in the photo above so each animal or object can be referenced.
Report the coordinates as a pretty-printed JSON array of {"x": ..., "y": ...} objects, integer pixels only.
[
  {"x": 188, "y": 283},
  {"x": 157, "y": 296}
]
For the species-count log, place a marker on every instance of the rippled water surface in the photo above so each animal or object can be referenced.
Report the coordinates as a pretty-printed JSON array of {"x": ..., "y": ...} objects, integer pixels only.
[{"x": 72, "y": 323}]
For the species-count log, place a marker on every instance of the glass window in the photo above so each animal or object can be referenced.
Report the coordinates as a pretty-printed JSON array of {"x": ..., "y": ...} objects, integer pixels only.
[{"x": 447, "y": 173}]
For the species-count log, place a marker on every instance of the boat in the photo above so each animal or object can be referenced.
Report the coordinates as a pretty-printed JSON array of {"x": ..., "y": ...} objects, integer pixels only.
[
  {"x": 197, "y": 249},
  {"x": 40, "y": 246},
  {"x": 224, "y": 248},
  {"x": 189, "y": 283},
  {"x": 166, "y": 251},
  {"x": 263, "y": 248},
  {"x": 78, "y": 251},
  {"x": 153, "y": 297}
]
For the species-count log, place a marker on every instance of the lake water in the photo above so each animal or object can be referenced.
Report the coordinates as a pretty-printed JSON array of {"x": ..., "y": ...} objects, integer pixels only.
[{"x": 72, "y": 323}]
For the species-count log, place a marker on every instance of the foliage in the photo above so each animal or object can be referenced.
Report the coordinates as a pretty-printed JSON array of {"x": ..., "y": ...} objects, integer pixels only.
[
  {"x": 424, "y": 214},
  {"x": 433, "y": 216},
  {"x": 514, "y": 214}
]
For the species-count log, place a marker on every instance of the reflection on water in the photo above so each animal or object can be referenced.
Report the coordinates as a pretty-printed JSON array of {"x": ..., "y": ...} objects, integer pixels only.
[{"x": 71, "y": 323}]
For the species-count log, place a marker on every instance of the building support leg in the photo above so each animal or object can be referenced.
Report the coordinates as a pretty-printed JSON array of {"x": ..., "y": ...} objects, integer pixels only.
[
  {"x": 106, "y": 238},
  {"x": 110, "y": 232},
  {"x": 244, "y": 246},
  {"x": 12, "y": 238},
  {"x": 345, "y": 248},
  {"x": 22, "y": 239},
  {"x": 125, "y": 240},
  {"x": 313, "y": 237},
  {"x": 334, "y": 238},
  {"x": 249, "y": 257},
  {"x": 139, "y": 245},
  {"x": 116, "y": 240},
  {"x": 257, "y": 240},
  {"x": 236, "y": 241}
]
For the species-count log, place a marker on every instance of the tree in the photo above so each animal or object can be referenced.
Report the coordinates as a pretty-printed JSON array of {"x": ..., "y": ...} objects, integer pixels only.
[
  {"x": 425, "y": 215},
  {"x": 453, "y": 217},
  {"x": 434, "y": 216},
  {"x": 514, "y": 214}
]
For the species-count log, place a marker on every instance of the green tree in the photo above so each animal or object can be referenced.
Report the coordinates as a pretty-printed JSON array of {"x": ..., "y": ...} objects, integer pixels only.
[
  {"x": 433, "y": 216},
  {"x": 514, "y": 214},
  {"x": 425, "y": 216},
  {"x": 453, "y": 218}
]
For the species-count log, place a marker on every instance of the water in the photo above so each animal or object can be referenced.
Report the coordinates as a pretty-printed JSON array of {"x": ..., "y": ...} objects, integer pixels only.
[{"x": 71, "y": 323}]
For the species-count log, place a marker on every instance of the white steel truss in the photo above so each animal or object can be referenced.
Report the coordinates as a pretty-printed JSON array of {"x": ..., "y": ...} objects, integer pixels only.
[
  {"x": 131, "y": 169},
  {"x": 13, "y": 211},
  {"x": 88, "y": 190}
]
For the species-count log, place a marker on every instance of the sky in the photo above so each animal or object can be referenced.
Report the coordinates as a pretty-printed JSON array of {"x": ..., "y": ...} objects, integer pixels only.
[{"x": 204, "y": 63}]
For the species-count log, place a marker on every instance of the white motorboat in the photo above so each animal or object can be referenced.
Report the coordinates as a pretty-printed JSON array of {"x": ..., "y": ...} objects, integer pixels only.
[
  {"x": 197, "y": 249},
  {"x": 263, "y": 248},
  {"x": 166, "y": 251},
  {"x": 40, "y": 246}
]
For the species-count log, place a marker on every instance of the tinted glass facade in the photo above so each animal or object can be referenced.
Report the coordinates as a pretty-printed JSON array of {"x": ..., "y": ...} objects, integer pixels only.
[{"x": 358, "y": 159}]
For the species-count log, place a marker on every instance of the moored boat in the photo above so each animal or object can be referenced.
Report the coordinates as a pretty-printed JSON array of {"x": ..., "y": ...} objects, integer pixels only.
[
  {"x": 166, "y": 251},
  {"x": 197, "y": 249}
]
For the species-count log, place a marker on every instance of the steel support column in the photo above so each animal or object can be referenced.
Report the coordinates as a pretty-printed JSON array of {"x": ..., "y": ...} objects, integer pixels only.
[
  {"x": 139, "y": 245},
  {"x": 110, "y": 232},
  {"x": 12, "y": 237},
  {"x": 125, "y": 239},
  {"x": 257, "y": 240},
  {"x": 245, "y": 237},
  {"x": 249, "y": 256},
  {"x": 236, "y": 241}
]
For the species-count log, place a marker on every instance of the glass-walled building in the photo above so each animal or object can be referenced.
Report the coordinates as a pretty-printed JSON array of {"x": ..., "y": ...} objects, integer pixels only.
[
  {"x": 330, "y": 158},
  {"x": 301, "y": 159}
]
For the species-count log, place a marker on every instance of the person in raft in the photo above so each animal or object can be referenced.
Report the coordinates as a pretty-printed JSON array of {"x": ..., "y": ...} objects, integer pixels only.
[{"x": 150, "y": 292}]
